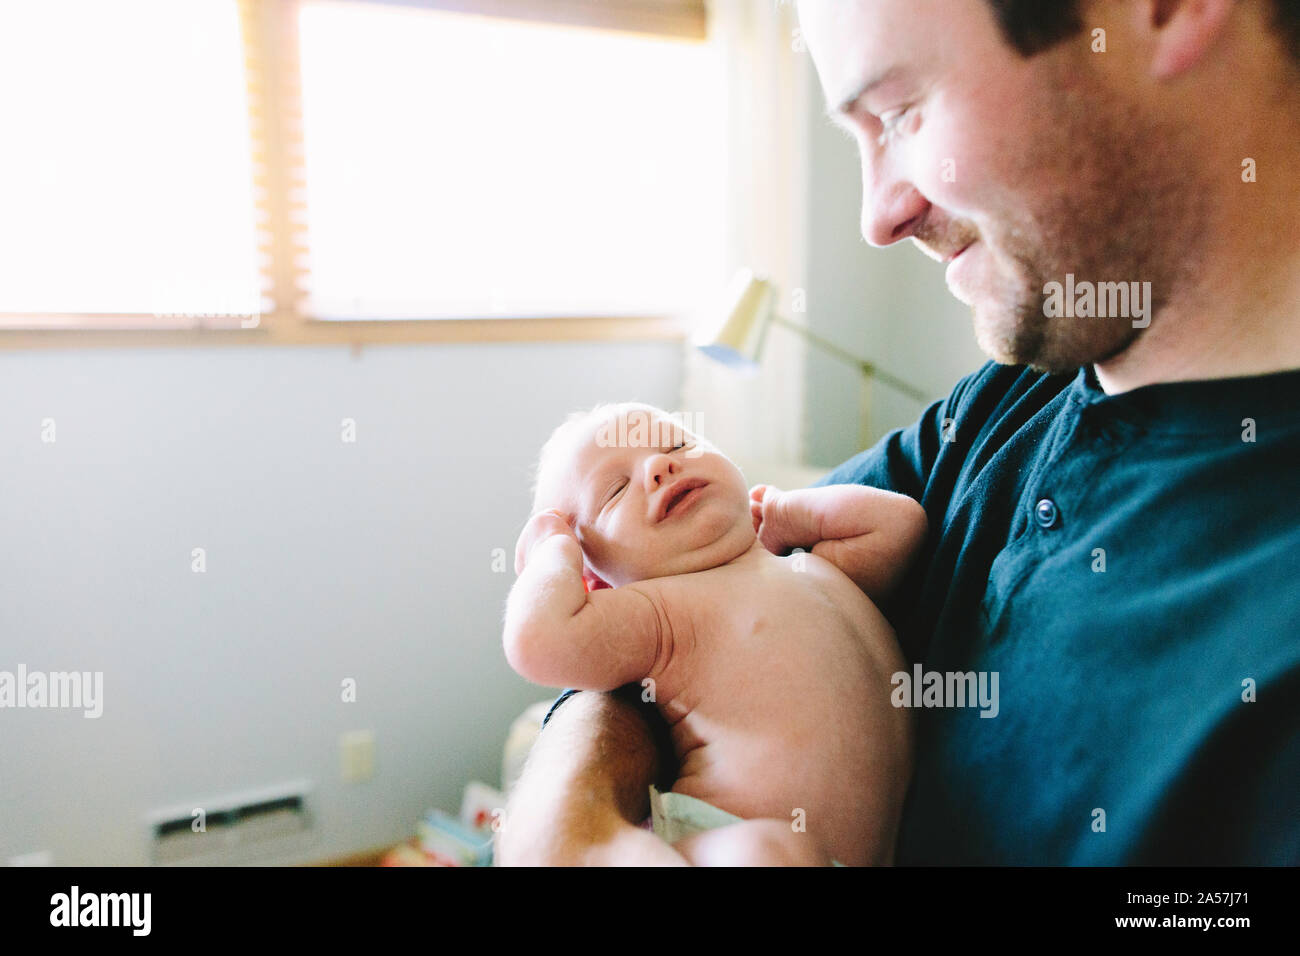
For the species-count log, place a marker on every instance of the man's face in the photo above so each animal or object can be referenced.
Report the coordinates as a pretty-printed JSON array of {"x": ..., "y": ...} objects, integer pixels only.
[
  {"x": 1034, "y": 167},
  {"x": 632, "y": 518}
]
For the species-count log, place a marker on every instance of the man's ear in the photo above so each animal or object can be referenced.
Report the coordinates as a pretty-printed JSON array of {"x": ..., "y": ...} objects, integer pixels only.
[{"x": 1184, "y": 31}]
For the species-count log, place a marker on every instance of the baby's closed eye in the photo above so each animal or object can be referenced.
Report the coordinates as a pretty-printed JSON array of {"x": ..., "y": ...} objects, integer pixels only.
[{"x": 614, "y": 492}]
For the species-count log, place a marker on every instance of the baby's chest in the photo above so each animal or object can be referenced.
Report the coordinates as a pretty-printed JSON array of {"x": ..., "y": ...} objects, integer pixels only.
[
  {"x": 759, "y": 663},
  {"x": 731, "y": 624}
]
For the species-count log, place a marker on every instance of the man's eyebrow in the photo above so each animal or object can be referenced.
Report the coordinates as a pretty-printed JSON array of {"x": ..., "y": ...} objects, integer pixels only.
[{"x": 835, "y": 110}]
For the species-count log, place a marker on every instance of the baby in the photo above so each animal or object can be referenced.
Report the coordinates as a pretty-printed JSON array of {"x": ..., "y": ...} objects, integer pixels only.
[{"x": 646, "y": 561}]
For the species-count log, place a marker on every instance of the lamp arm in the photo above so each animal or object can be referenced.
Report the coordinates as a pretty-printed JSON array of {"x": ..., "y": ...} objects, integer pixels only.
[{"x": 868, "y": 369}]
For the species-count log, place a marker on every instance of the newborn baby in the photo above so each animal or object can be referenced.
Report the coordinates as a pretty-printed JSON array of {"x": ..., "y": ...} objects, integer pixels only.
[{"x": 646, "y": 561}]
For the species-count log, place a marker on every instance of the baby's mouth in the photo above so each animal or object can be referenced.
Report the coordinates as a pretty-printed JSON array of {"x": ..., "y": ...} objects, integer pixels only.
[{"x": 679, "y": 493}]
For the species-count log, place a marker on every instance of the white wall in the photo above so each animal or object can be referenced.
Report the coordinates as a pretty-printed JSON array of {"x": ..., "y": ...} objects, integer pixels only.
[{"x": 325, "y": 560}]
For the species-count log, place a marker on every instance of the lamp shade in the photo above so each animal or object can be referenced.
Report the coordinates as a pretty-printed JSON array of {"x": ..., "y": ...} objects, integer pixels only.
[{"x": 736, "y": 334}]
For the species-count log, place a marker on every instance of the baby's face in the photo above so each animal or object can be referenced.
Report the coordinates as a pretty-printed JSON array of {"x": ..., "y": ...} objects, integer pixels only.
[{"x": 661, "y": 501}]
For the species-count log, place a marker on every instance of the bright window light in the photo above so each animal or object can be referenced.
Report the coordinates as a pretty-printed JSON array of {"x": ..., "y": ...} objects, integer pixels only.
[
  {"x": 125, "y": 178},
  {"x": 466, "y": 166}
]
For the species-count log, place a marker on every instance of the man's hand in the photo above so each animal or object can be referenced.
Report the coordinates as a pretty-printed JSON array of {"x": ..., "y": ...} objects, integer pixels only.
[{"x": 753, "y": 843}]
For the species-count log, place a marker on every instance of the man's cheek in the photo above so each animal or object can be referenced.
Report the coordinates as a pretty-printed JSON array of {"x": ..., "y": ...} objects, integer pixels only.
[
  {"x": 986, "y": 127},
  {"x": 950, "y": 168}
]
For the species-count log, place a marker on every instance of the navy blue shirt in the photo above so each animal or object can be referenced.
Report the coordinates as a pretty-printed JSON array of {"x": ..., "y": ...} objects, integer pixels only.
[{"x": 1128, "y": 567}]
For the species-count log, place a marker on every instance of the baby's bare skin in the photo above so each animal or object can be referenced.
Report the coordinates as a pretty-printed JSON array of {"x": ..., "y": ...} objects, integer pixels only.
[
  {"x": 773, "y": 672},
  {"x": 774, "y": 677}
]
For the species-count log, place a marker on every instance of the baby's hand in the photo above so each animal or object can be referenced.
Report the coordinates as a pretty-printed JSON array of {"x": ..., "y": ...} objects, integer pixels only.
[
  {"x": 771, "y": 523},
  {"x": 756, "y": 504},
  {"x": 543, "y": 525}
]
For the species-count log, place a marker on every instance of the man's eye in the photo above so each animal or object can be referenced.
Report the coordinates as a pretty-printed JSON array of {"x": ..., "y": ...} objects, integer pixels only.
[{"x": 891, "y": 124}]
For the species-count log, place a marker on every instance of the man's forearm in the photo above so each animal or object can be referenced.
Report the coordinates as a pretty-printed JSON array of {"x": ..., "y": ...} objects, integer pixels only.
[{"x": 584, "y": 789}]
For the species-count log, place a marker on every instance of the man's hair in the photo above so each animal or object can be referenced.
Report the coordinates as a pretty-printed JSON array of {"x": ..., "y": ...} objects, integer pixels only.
[{"x": 1032, "y": 26}]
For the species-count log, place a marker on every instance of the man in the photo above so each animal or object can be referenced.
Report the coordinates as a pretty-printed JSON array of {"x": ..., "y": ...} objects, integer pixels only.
[{"x": 1113, "y": 501}]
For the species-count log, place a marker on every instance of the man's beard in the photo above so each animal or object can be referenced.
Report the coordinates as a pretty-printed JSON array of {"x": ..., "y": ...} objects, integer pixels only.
[
  {"x": 1015, "y": 329},
  {"x": 1130, "y": 211}
]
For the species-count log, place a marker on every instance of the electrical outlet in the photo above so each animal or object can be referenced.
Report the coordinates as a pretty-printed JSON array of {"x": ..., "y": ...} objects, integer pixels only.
[{"x": 357, "y": 755}]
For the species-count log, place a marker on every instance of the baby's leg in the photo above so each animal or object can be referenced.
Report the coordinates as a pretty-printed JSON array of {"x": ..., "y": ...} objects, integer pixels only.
[{"x": 752, "y": 843}]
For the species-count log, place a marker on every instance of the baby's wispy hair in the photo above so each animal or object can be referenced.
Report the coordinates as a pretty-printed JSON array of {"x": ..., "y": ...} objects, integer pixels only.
[{"x": 572, "y": 422}]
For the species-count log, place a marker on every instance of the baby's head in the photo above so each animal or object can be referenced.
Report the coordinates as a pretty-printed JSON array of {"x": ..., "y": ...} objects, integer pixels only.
[{"x": 648, "y": 497}]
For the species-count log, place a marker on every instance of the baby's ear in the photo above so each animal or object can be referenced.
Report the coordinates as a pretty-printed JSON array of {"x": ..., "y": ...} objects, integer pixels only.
[{"x": 593, "y": 582}]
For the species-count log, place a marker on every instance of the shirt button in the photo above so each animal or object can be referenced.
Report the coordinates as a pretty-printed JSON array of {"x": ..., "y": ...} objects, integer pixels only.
[{"x": 1046, "y": 513}]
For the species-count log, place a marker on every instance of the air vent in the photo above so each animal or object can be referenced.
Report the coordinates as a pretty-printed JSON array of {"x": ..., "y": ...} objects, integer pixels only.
[{"x": 235, "y": 829}]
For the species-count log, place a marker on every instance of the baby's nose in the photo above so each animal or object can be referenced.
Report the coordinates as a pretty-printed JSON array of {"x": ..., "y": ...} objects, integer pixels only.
[{"x": 658, "y": 468}]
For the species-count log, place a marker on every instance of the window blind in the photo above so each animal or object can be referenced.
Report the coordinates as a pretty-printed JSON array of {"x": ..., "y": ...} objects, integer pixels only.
[{"x": 271, "y": 72}]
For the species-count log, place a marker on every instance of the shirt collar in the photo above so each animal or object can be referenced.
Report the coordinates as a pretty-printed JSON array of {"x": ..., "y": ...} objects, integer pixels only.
[{"x": 1197, "y": 407}]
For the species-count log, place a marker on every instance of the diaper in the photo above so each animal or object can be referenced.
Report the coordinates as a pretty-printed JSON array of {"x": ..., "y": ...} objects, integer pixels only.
[{"x": 674, "y": 816}]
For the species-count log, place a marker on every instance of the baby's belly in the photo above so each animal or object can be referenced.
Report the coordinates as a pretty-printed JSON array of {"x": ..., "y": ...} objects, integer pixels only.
[{"x": 802, "y": 731}]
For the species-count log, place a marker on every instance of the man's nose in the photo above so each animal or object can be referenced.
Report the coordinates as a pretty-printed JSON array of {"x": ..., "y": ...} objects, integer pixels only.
[
  {"x": 892, "y": 208},
  {"x": 658, "y": 468}
]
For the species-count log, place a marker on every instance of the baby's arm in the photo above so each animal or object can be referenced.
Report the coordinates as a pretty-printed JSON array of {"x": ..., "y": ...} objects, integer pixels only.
[
  {"x": 870, "y": 534},
  {"x": 559, "y": 635}
]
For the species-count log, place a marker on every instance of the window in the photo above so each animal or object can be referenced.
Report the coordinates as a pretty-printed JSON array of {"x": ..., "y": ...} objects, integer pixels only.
[
  {"x": 204, "y": 162},
  {"x": 461, "y": 165},
  {"x": 125, "y": 182}
]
